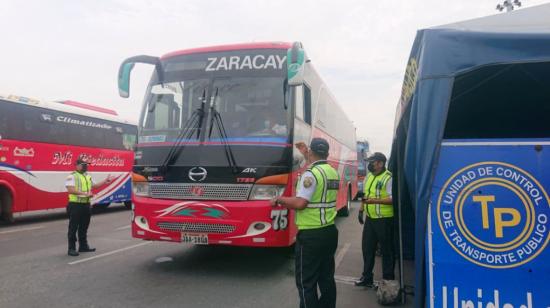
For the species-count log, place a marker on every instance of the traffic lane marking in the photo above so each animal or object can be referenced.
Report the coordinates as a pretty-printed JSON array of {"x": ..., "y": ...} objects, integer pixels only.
[
  {"x": 108, "y": 253},
  {"x": 21, "y": 229},
  {"x": 341, "y": 254},
  {"x": 345, "y": 279},
  {"x": 123, "y": 228}
]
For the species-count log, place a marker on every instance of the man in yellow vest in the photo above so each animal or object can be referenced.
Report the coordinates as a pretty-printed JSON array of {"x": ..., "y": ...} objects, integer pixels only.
[
  {"x": 317, "y": 238},
  {"x": 378, "y": 224},
  {"x": 79, "y": 185}
]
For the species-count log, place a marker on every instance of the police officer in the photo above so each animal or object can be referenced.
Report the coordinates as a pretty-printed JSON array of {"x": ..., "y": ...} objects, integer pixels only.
[
  {"x": 317, "y": 238},
  {"x": 79, "y": 185},
  {"x": 378, "y": 223}
]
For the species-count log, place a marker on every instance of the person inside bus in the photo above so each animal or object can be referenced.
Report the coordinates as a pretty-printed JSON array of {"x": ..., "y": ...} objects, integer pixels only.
[
  {"x": 79, "y": 185},
  {"x": 269, "y": 125}
]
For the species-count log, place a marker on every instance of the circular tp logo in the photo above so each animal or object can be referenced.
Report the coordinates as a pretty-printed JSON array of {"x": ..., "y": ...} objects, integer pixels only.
[{"x": 494, "y": 214}]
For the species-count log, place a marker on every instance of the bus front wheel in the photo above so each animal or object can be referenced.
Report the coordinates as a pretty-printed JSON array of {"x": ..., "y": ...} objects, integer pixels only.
[
  {"x": 6, "y": 203},
  {"x": 344, "y": 212},
  {"x": 128, "y": 205}
]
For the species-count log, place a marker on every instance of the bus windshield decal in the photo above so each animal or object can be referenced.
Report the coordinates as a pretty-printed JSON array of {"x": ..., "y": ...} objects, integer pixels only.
[{"x": 257, "y": 62}]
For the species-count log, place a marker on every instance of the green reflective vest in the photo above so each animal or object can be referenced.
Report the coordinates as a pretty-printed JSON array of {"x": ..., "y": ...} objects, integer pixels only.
[
  {"x": 82, "y": 183},
  {"x": 375, "y": 187},
  {"x": 321, "y": 209}
]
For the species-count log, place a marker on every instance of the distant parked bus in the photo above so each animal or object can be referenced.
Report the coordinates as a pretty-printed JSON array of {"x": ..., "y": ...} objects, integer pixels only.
[
  {"x": 216, "y": 143},
  {"x": 40, "y": 142}
]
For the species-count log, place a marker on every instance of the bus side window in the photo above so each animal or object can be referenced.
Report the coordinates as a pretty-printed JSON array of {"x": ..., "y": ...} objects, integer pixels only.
[
  {"x": 307, "y": 105},
  {"x": 4, "y": 118},
  {"x": 302, "y": 100},
  {"x": 299, "y": 101},
  {"x": 129, "y": 141}
]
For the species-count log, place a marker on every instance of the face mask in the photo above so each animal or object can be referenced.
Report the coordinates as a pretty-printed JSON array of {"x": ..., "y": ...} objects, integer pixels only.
[
  {"x": 370, "y": 167},
  {"x": 84, "y": 168}
]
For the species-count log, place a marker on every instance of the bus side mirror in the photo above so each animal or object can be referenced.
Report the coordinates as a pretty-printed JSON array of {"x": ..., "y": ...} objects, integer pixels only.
[
  {"x": 295, "y": 60},
  {"x": 124, "y": 79},
  {"x": 126, "y": 68}
]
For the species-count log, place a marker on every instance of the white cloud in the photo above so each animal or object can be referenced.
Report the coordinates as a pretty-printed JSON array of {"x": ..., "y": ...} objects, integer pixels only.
[{"x": 72, "y": 49}]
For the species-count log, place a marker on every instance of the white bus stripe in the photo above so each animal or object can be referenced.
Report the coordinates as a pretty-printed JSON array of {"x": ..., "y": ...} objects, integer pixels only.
[{"x": 477, "y": 143}]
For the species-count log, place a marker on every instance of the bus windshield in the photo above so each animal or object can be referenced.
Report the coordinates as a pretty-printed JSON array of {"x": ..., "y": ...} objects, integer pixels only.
[
  {"x": 170, "y": 105},
  {"x": 251, "y": 107},
  {"x": 248, "y": 107}
]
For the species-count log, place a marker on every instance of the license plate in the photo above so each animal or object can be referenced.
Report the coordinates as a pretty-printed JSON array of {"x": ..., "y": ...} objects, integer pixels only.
[{"x": 197, "y": 239}]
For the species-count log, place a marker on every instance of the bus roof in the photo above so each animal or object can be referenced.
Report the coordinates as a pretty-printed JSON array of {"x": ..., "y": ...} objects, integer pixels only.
[
  {"x": 243, "y": 46},
  {"x": 70, "y": 107}
]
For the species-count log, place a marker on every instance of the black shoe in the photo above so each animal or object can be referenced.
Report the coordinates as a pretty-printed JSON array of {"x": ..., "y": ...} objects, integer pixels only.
[
  {"x": 86, "y": 249},
  {"x": 364, "y": 282},
  {"x": 73, "y": 253}
]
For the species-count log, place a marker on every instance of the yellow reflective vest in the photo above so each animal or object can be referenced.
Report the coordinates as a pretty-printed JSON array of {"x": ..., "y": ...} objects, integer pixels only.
[
  {"x": 82, "y": 183},
  {"x": 321, "y": 209},
  {"x": 375, "y": 186}
]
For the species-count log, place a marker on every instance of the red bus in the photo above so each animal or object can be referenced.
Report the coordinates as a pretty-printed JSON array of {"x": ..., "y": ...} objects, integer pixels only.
[
  {"x": 40, "y": 142},
  {"x": 363, "y": 151},
  {"x": 215, "y": 143}
]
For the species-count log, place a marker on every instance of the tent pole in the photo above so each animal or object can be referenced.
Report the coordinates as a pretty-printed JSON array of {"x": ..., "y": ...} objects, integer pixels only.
[{"x": 400, "y": 227}]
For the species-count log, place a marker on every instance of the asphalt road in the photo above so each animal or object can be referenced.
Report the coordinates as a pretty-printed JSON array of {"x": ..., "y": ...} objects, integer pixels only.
[{"x": 35, "y": 270}]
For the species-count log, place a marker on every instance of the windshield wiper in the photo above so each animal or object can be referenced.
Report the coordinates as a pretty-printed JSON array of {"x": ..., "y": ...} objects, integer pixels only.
[
  {"x": 217, "y": 118},
  {"x": 193, "y": 123}
]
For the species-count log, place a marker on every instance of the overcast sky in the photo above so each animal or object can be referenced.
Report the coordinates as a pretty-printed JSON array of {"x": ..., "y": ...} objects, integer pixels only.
[{"x": 72, "y": 49}]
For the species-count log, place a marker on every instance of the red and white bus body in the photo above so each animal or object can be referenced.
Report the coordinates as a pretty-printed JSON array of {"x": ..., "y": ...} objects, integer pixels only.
[
  {"x": 200, "y": 185},
  {"x": 39, "y": 144}
]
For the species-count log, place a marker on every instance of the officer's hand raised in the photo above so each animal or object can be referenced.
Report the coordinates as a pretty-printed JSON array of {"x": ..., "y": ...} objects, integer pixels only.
[
  {"x": 273, "y": 202},
  {"x": 360, "y": 217},
  {"x": 302, "y": 147}
]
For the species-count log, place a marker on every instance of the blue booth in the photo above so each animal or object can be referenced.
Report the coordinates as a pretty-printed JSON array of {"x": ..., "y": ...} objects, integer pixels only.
[{"x": 471, "y": 162}]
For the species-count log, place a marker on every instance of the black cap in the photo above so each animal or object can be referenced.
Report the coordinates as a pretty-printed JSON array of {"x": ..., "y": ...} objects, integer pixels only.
[
  {"x": 319, "y": 146},
  {"x": 377, "y": 156},
  {"x": 81, "y": 161}
]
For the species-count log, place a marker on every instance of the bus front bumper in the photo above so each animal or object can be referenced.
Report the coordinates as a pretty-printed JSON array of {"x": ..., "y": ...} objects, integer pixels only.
[{"x": 239, "y": 223}]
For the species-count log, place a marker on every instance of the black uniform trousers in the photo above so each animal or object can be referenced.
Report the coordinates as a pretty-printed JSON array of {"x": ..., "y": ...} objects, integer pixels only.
[
  {"x": 378, "y": 231},
  {"x": 79, "y": 220},
  {"x": 315, "y": 250}
]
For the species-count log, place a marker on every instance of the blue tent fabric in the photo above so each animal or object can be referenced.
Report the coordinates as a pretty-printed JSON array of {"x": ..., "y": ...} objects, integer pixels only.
[{"x": 440, "y": 54}]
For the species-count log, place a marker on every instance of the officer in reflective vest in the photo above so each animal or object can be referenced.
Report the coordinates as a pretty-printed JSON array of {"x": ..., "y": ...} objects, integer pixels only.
[
  {"x": 317, "y": 238},
  {"x": 378, "y": 224},
  {"x": 79, "y": 185}
]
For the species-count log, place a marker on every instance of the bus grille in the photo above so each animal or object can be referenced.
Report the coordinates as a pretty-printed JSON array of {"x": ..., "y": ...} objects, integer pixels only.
[
  {"x": 200, "y": 191},
  {"x": 196, "y": 227}
]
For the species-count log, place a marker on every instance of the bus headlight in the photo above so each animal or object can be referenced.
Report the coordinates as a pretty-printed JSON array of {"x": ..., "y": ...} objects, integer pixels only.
[
  {"x": 266, "y": 192},
  {"x": 141, "y": 189}
]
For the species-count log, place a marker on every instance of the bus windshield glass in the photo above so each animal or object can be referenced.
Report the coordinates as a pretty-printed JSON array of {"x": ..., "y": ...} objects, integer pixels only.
[
  {"x": 248, "y": 107},
  {"x": 169, "y": 107}
]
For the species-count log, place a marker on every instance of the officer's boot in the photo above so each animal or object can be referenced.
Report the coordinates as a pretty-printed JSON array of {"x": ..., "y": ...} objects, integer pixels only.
[
  {"x": 84, "y": 247},
  {"x": 72, "y": 249}
]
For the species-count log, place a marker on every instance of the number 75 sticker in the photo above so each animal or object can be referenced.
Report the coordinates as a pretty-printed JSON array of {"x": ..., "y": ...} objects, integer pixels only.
[{"x": 279, "y": 219}]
